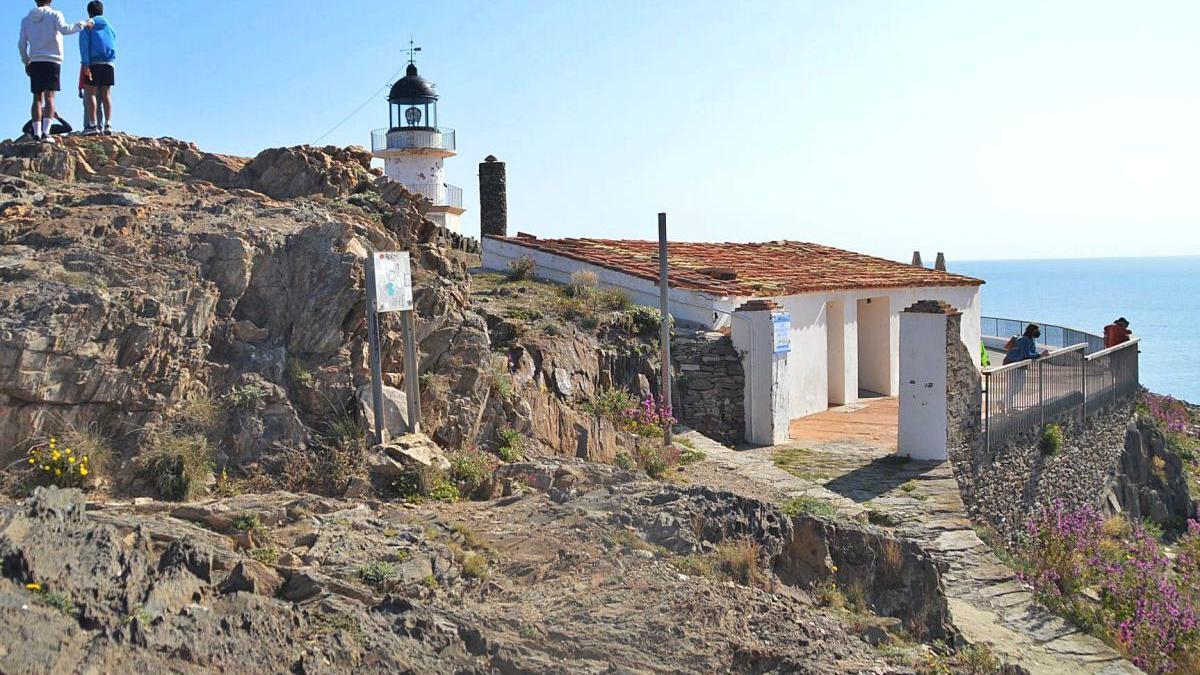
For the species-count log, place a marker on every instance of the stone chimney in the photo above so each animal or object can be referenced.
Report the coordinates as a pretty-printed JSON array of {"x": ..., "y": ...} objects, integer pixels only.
[
  {"x": 941, "y": 262},
  {"x": 493, "y": 198},
  {"x": 917, "y": 259}
]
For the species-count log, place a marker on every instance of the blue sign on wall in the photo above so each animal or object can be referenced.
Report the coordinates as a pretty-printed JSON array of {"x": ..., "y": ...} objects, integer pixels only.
[{"x": 782, "y": 323}]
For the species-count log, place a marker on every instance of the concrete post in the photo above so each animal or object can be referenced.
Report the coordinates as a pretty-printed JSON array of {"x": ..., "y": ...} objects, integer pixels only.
[
  {"x": 767, "y": 391},
  {"x": 493, "y": 198},
  {"x": 940, "y": 264},
  {"x": 917, "y": 262},
  {"x": 940, "y": 386}
]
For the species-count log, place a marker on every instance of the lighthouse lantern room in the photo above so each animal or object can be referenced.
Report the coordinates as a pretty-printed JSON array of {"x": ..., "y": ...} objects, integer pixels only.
[{"x": 413, "y": 147}]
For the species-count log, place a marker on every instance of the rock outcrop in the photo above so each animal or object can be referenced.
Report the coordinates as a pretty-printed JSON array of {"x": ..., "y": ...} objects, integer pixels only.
[{"x": 141, "y": 274}]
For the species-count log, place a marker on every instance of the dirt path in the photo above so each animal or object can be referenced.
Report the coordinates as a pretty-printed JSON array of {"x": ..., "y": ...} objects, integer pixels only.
[{"x": 988, "y": 604}]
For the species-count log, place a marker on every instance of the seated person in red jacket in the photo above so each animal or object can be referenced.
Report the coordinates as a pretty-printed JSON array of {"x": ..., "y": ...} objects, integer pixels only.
[{"x": 1117, "y": 333}]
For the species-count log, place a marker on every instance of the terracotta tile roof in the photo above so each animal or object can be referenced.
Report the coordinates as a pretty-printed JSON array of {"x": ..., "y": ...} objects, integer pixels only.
[{"x": 768, "y": 269}]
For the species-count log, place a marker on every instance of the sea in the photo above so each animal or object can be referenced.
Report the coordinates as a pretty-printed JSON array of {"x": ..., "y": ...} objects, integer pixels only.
[{"x": 1159, "y": 296}]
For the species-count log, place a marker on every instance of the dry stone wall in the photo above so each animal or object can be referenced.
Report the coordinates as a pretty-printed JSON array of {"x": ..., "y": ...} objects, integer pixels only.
[
  {"x": 1111, "y": 461},
  {"x": 709, "y": 385}
]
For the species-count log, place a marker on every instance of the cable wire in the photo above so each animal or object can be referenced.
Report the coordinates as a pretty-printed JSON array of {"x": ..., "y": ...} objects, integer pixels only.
[{"x": 359, "y": 108}]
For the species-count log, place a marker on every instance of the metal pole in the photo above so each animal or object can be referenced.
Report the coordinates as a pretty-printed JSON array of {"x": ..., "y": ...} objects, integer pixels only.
[
  {"x": 987, "y": 411},
  {"x": 373, "y": 346},
  {"x": 665, "y": 389},
  {"x": 412, "y": 371},
  {"x": 1041, "y": 393},
  {"x": 1083, "y": 387}
]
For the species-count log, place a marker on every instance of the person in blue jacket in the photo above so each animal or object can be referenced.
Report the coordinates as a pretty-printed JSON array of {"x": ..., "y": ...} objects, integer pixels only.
[
  {"x": 1023, "y": 348},
  {"x": 97, "y": 75}
]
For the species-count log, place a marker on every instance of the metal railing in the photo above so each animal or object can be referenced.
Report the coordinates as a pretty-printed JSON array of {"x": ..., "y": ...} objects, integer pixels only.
[
  {"x": 415, "y": 138},
  {"x": 441, "y": 194},
  {"x": 1055, "y": 337},
  {"x": 1026, "y": 395}
]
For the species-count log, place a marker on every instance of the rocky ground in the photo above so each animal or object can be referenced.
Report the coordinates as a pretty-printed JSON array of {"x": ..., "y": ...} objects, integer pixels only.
[
  {"x": 194, "y": 323},
  {"x": 596, "y": 573}
]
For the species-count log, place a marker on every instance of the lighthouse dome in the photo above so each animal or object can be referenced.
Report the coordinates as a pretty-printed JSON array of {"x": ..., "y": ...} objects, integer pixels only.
[{"x": 412, "y": 88}]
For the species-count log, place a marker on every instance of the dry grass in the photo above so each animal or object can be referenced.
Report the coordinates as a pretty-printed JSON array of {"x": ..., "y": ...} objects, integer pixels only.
[
  {"x": 177, "y": 465},
  {"x": 891, "y": 560},
  {"x": 738, "y": 560}
]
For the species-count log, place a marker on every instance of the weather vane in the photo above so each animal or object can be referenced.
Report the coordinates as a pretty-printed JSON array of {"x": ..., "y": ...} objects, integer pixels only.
[{"x": 412, "y": 51}]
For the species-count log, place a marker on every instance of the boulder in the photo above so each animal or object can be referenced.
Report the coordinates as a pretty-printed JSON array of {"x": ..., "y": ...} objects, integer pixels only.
[
  {"x": 251, "y": 576},
  {"x": 395, "y": 411}
]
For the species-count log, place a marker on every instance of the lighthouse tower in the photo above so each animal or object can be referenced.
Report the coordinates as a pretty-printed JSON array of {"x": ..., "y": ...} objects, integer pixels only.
[{"x": 413, "y": 147}]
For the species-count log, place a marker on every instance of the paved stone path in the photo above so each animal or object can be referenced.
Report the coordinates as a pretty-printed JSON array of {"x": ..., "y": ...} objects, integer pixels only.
[{"x": 986, "y": 601}]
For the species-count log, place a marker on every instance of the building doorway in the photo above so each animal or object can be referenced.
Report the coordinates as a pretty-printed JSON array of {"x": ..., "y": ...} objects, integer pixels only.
[
  {"x": 875, "y": 347},
  {"x": 835, "y": 351}
]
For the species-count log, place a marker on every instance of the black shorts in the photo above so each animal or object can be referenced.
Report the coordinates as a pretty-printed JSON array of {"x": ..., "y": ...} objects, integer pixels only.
[
  {"x": 43, "y": 76},
  {"x": 104, "y": 75}
]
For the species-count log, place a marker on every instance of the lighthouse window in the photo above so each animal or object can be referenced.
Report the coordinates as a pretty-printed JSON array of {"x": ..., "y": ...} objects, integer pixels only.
[{"x": 412, "y": 115}]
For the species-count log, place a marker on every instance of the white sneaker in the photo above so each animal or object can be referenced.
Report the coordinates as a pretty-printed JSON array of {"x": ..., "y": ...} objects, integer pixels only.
[{"x": 107, "y": 129}]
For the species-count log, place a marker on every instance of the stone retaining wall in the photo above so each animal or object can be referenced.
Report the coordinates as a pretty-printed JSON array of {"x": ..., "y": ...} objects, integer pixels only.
[
  {"x": 709, "y": 385},
  {"x": 1110, "y": 461}
]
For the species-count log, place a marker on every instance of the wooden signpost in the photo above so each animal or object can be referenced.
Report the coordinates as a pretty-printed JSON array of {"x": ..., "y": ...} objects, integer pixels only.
[{"x": 389, "y": 289}]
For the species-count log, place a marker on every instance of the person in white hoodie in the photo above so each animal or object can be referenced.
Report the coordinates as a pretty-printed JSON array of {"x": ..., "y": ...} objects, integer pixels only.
[{"x": 41, "y": 48}]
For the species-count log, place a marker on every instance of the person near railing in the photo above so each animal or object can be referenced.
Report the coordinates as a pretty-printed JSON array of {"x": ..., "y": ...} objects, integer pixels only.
[
  {"x": 1023, "y": 348},
  {"x": 1117, "y": 333}
]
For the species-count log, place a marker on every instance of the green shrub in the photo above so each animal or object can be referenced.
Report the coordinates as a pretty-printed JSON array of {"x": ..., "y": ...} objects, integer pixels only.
[
  {"x": 56, "y": 599},
  {"x": 267, "y": 555},
  {"x": 642, "y": 320},
  {"x": 444, "y": 491},
  {"x": 247, "y": 522},
  {"x": 298, "y": 374},
  {"x": 470, "y": 469},
  {"x": 521, "y": 269},
  {"x": 512, "y": 445},
  {"x": 624, "y": 461},
  {"x": 245, "y": 397},
  {"x": 500, "y": 379},
  {"x": 807, "y": 505},
  {"x": 1052, "y": 439},
  {"x": 377, "y": 573},
  {"x": 474, "y": 565}
]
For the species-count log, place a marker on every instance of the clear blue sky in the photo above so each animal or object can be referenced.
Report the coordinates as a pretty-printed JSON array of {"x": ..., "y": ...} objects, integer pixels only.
[{"x": 987, "y": 130}]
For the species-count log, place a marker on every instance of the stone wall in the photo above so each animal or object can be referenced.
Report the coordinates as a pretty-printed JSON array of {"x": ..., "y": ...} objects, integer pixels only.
[
  {"x": 964, "y": 390},
  {"x": 1110, "y": 461},
  {"x": 709, "y": 385}
]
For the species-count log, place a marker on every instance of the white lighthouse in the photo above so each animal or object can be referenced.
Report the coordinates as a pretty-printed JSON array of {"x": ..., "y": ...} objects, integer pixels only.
[{"x": 413, "y": 147}]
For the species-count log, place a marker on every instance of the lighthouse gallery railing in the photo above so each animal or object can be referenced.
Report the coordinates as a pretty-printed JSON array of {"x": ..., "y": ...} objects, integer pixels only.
[{"x": 415, "y": 138}]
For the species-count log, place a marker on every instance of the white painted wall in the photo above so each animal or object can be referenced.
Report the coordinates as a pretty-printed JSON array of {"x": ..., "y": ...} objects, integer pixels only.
[
  {"x": 874, "y": 345},
  {"x": 450, "y": 221},
  {"x": 835, "y": 351},
  {"x": 922, "y": 432},
  {"x": 766, "y": 398},
  {"x": 416, "y": 169},
  {"x": 810, "y": 342}
]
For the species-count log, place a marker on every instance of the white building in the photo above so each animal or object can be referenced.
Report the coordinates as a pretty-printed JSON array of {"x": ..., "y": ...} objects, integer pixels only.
[
  {"x": 843, "y": 308},
  {"x": 413, "y": 147}
]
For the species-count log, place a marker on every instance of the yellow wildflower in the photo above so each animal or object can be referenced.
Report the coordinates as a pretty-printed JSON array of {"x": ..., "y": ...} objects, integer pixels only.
[
  {"x": 32, "y": 461},
  {"x": 58, "y": 472},
  {"x": 83, "y": 471},
  {"x": 45, "y": 467},
  {"x": 69, "y": 451},
  {"x": 55, "y": 455},
  {"x": 71, "y": 460},
  {"x": 33, "y": 587}
]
